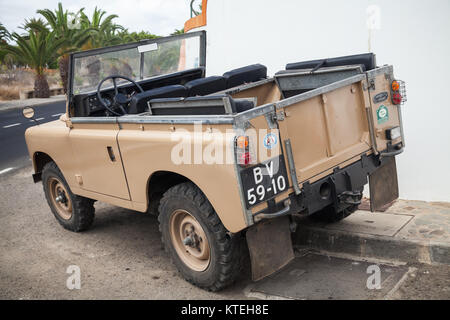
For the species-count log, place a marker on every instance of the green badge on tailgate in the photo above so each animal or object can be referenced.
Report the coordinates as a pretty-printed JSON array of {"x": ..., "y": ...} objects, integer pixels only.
[{"x": 382, "y": 114}]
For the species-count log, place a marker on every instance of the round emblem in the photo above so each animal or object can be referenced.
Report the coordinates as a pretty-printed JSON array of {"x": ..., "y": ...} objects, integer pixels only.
[
  {"x": 382, "y": 114},
  {"x": 270, "y": 140}
]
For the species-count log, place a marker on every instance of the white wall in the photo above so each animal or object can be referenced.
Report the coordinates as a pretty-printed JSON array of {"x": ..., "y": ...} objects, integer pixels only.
[{"x": 414, "y": 37}]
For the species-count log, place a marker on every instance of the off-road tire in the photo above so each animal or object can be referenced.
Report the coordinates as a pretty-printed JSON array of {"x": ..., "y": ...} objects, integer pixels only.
[
  {"x": 82, "y": 209},
  {"x": 225, "y": 248}
]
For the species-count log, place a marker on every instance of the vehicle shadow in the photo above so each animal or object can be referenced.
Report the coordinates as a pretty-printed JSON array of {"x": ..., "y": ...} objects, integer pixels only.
[{"x": 138, "y": 234}]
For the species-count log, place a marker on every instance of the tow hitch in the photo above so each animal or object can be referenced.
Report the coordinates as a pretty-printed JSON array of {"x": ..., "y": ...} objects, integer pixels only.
[{"x": 350, "y": 197}]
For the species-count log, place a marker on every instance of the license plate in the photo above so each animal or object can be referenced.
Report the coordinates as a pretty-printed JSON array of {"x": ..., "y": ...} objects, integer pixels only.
[{"x": 264, "y": 181}]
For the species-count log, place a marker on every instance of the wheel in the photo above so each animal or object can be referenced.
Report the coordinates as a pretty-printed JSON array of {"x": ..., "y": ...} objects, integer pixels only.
[
  {"x": 74, "y": 213},
  {"x": 198, "y": 243}
]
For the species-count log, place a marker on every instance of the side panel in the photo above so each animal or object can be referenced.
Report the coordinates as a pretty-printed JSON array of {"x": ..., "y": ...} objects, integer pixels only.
[
  {"x": 52, "y": 138},
  {"x": 99, "y": 162},
  {"x": 147, "y": 148}
]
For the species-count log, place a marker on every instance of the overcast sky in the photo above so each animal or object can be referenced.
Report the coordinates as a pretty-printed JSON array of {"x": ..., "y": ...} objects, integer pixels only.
[{"x": 160, "y": 17}]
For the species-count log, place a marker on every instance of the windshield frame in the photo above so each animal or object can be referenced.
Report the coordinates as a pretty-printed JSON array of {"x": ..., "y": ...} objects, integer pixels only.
[{"x": 97, "y": 51}]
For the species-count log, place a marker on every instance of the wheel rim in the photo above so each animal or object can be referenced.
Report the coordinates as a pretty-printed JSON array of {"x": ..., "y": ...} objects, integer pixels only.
[
  {"x": 60, "y": 198},
  {"x": 189, "y": 240}
]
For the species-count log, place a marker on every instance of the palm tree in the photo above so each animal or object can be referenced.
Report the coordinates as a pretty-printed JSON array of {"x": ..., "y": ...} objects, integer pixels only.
[
  {"x": 104, "y": 31},
  {"x": 4, "y": 34},
  {"x": 177, "y": 31},
  {"x": 35, "y": 25},
  {"x": 134, "y": 36},
  {"x": 37, "y": 50},
  {"x": 71, "y": 37}
]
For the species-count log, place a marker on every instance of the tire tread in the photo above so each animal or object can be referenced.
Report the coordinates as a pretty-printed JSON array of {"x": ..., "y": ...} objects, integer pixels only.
[{"x": 229, "y": 260}]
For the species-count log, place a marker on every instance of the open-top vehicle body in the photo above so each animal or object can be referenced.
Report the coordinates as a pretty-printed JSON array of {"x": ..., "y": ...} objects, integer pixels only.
[{"x": 219, "y": 157}]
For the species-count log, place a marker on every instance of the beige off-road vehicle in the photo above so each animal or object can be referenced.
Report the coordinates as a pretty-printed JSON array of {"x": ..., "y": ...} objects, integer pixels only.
[{"x": 226, "y": 161}]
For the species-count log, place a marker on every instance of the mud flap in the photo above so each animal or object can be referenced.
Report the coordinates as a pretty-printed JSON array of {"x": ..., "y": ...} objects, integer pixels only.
[
  {"x": 270, "y": 246},
  {"x": 383, "y": 184}
]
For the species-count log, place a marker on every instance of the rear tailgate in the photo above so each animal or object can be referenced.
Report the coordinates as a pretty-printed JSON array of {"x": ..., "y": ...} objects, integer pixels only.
[{"x": 325, "y": 127}]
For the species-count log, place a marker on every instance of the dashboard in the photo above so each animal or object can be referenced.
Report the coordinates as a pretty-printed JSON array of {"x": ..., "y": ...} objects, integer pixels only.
[{"x": 88, "y": 105}]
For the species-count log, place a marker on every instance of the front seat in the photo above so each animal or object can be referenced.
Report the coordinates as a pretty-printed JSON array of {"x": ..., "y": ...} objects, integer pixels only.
[{"x": 139, "y": 101}]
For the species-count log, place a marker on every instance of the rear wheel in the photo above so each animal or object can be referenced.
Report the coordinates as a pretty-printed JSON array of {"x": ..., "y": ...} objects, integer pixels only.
[
  {"x": 74, "y": 213},
  {"x": 198, "y": 243}
]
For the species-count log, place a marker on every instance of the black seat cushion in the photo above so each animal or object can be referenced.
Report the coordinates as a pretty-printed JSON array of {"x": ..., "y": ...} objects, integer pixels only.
[
  {"x": 366, "y": 59},
  {"x": 239, "y": 106},
  {"x": 205, "y": 86},
  {"x": 139, "y": 101},
  {"x": 252, "y": 73},
  {"x": 198, "y": 105}
]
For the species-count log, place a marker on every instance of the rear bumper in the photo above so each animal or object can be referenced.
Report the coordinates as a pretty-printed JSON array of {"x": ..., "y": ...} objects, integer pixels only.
[{"x": 342, "y": 183}]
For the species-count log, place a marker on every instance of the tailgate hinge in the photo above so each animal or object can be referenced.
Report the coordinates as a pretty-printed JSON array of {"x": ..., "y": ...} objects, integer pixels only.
[
  {"x": 370, "y": 85},
  {"x": 279, "y": 116}
]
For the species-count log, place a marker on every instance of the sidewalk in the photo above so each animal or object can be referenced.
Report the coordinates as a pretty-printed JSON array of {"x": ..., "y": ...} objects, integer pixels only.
[
  {"x": 409, "y": 231},
  {"x": 17, "y": 104}
]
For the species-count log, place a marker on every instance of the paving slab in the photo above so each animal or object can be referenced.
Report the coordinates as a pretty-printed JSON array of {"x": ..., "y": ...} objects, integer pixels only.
[
  {"x": 322, "y": 277},
  {"x": 381, "y": 224},
  {"x": 411, "y": 231}
]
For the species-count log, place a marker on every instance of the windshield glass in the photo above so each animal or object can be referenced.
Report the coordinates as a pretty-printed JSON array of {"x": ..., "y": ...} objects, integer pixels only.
[{"x": 157, "y": 58}]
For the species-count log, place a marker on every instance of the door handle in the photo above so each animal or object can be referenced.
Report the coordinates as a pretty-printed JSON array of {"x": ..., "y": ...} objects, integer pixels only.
[{"x": 111, "y": 154}]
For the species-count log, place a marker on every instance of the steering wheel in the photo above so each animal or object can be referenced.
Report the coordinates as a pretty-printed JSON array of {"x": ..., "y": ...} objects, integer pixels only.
[{"x": 120, "y": 100}]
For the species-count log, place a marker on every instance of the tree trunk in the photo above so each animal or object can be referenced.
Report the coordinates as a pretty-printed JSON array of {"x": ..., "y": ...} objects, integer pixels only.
[
  {"x": 41, "y": 89},
  {"x": 64, "y": 70}
]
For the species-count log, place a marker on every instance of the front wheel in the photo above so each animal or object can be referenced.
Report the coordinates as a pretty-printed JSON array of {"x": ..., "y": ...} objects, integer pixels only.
[
  {"x": 192, "y": 233},
  {"x": 74, "y": 213}
]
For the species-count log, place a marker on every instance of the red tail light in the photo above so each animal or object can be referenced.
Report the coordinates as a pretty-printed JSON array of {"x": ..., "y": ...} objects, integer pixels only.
[
  {"x": 244, "y": 158},
  {"x": 398, "y": 93},
  {"x": 242, "y": 150},
  {"x": 397, "y": 98}
]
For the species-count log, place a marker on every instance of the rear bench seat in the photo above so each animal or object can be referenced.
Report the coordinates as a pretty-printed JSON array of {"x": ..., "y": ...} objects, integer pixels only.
[
  {"x": 202, "y": 87},
  {"x": 252, "y": 73},
  {"x": 230, "y": 79},
  {"x": 367, "y": 60},
  {"x": 205, "y": 86}
]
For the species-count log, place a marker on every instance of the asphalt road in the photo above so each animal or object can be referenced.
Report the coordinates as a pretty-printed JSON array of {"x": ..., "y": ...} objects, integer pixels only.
[{"x": 13, "y": 150}]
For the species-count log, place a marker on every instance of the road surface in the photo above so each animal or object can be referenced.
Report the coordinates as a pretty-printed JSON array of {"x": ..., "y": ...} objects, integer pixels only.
[{"x": 13, "y": 150}]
